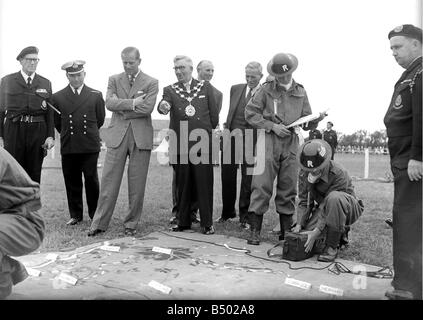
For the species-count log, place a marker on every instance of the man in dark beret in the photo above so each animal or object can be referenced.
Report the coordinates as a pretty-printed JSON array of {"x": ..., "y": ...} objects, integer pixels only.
[
  {"x": 26, "y": 121},
  {"x": 82, "y": 114},
  {"x": 403, "y": 121}
]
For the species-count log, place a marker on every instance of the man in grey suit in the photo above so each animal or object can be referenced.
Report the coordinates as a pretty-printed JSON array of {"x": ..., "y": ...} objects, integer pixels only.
[{"x": 131, "y": 97}]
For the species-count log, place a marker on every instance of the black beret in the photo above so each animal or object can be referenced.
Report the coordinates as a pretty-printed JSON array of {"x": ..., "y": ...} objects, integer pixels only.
[
  {"x": 27, "y": 50},
  {"x": 407, "y": 30}
]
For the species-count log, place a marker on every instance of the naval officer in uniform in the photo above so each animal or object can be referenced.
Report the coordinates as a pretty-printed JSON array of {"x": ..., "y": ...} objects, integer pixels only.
[
  {"x": 26, "y": 121},
  {"x": 82, "y": 114}
]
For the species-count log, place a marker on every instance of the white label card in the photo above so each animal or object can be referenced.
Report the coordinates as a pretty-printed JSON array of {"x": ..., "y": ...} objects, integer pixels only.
[
  {"x": 162, "y": 250},
  {"x": 110, "y": 248},
  {"x": 331, "y": 290},
  {"x": 298, "y": 283},
  {"x": 158, "y": 286},
  {"x": 67, "y": 278}
]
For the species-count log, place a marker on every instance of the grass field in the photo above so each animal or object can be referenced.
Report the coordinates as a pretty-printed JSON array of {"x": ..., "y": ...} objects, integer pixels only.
[{"x": 370, "y": 237}]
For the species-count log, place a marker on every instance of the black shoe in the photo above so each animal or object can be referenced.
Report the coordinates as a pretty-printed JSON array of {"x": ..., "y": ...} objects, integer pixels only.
[
  {"x": 130, "y": 232},
  {"x": 72, "y": 221},
  {"x": 173, "y": 220},
  {"x": 389, "y": 222},
  {"x": 398, "y": 294},
  {"x": 179, "y": 228},
  {"x": 93, "y": 233},
  {"x": 208, "y": 230}
]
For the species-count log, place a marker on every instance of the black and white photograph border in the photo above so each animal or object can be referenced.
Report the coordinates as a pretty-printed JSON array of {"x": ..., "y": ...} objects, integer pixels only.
[{"x": 344, "y": 62}]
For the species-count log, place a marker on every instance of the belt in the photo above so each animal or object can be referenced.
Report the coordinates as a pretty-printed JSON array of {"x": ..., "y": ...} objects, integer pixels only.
[{"x": 29, "y": 119}]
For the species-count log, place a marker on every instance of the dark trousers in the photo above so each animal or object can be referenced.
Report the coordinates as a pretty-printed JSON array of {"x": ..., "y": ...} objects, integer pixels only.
[
  {"x": 407, "y": 233},
  {"x": 23, "y": 141},
  {"x": 195, "y": 181},
  {"x": 73, "y": 167},
  {"x": 229, "y": 183},
  {"x": 194, "y": 203}
]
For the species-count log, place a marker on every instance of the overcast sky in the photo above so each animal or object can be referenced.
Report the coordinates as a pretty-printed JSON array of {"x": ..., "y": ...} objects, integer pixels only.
[{"x": 345, "y": 62}]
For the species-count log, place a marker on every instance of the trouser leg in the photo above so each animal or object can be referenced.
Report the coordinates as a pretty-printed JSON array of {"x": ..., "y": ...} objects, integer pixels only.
[
  {"x": 203, "y": 177},
  {"x": 139, "y": 161},
  {"x": 36, "y": 135},
  {"x": 407, "y": 233},
  {"x": 229, "y": 170},
  {"x": 184, "y": 185},
  {"x": 72, "y": 174},
  {"x": 92, "y": 185},
  {"x": 111, "y": 178}
]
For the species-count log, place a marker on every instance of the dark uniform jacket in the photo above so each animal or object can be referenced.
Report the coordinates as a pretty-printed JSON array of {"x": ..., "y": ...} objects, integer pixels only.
[
  {"x": 206, "y": 111},
  {"x": 81, "y": 117},
  {"x": 403, "y": 120},
  {"x": 331, "y": 138},
  {"x": 16, "y": 99}
]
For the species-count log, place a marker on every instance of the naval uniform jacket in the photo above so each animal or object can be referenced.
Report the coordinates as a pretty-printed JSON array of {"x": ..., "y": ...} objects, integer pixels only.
[
  {"x": 81, "y": 117},
  {"x": 403, "y": 120},
  {"x": 17, "y": 99},
  {"x": 206, "y": 111}
]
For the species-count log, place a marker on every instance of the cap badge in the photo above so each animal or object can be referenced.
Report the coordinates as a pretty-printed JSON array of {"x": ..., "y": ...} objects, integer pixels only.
[
  {"x": 75, "y": 65},
  {"x": 398, "y": 29},
  {"x": 310, "y": 164},
  {"x": 44, "y": 105}
]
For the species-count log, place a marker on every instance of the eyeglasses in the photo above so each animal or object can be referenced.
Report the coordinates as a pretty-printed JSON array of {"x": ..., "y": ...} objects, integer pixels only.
[
  {"x": 35, "y": 60},
  {"x": 179, "y": 68}
]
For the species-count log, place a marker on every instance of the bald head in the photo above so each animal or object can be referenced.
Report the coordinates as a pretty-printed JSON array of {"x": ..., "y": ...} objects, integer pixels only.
[{"x": 205, "y": 70}]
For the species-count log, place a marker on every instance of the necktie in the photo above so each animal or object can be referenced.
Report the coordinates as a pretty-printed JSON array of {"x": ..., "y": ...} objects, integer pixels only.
[
  {"x": 131, "y": 80},
  {"x": 28, "y": 82},
  {"x": 187, "y": 87},
  {"x": 249, "y": 95},
  {"x": 75, "y": 91}
]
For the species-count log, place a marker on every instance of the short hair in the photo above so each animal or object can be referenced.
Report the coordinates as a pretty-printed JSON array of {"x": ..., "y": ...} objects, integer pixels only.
[
  {"x": 254, "y": 66},
  {"x": 185, "y": 58},
  {"x": 201, "y": 63},
  {"x": 129, "y": 50},
  {"x": 331, "y": 123}
]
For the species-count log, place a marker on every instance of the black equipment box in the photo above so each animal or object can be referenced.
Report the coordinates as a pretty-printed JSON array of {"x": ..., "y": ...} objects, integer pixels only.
[{"x": 293, "y": 246}]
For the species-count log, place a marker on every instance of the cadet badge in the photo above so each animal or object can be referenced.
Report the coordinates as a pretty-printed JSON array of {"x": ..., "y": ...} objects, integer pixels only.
[
  {"x": 398, "y": 29},
  {"x": 398, "y": 102},
  {"x": 44, "y": 105}
]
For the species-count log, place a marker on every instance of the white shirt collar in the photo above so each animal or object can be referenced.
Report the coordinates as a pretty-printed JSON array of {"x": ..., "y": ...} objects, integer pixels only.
[
  {"x": 253, "y": 90},
  {"x": 79, "y": 89},
  {"x": 189, "y": 84},
  {"x": 25, "y": 76}
]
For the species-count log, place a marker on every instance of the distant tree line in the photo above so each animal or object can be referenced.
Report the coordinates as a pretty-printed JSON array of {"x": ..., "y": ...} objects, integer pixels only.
[{"x": 364, "y": 139}]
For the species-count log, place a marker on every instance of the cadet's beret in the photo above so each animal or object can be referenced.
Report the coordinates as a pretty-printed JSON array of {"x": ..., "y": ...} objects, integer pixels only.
[
  {"x": 27, "y": 50},
  {"x": 74, "y": 67},
  {"x": 282, "y": 64},
  {"x": 407, "y": 30}
]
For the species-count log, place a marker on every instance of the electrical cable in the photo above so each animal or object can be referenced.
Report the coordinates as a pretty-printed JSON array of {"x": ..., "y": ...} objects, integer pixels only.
[{"x": 338, "y": 267}]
